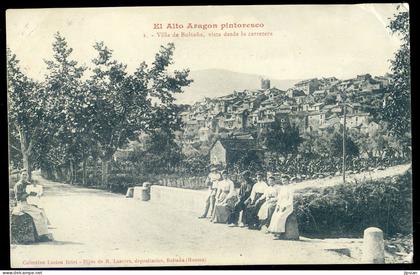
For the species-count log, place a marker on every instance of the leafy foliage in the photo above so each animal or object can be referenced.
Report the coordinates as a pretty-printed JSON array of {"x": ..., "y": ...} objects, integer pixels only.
[
  {"x": 350, "y": 208},
  {"x": 158, "y": 153},
  {"x": 128, "y": 105},
  {"x": 282, "y": 138},
  {"x": 352, "y": 150},
  {"x": 70, "y": 118},
  {"x": 67, "y": 99},
  {"x": 397, "y": 110},
  {"x": 25, "y": 98}
]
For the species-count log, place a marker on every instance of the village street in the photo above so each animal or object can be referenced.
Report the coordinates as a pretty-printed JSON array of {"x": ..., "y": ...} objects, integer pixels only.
[{"x": 97, "y": 228}]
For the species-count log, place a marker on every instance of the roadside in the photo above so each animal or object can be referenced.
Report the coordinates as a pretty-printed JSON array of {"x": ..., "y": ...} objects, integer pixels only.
[{"x": 93, "y": 225}]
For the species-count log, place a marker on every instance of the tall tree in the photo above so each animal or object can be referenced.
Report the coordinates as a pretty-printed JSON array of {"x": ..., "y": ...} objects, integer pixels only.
[
  {"x": 128, "y": 104},
  {"x": 25, "y": 110},
  {"x": 397, "y": 110},
  {"x": 68, "y": 102}
]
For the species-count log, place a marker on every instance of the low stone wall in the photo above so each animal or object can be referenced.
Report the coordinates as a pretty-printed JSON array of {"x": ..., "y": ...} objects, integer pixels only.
[{"x": 190, "y": 200}]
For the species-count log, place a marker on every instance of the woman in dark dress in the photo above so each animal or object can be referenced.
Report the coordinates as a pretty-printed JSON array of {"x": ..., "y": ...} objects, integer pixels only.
[
  {"x": 39, "y": 219},
  {"x": 253, "y": 203},
  {"x": 236, "y": 217}
]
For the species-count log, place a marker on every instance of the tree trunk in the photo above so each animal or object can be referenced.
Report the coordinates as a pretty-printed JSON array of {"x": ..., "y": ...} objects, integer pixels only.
[
  {"x": 59, "y": 176},
  {"x": 25, "y": 148},
  {"x": 84, "y": 171},
  {"x": 66, "y": 174},
  {"x": 94, "y": 178},
  {"x": 55, "y": 173},
  {"x": 27, "y": 164},
  {"x": 105, "y": 166},
  {"x": 71, "y": 166}
]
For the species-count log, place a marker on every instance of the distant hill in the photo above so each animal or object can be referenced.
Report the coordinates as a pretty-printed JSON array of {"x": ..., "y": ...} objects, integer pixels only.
[{"x": 216, "y": 82}]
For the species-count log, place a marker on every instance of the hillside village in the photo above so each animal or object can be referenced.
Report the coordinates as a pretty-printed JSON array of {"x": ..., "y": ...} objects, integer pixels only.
[{"x": 311, "y": 105}]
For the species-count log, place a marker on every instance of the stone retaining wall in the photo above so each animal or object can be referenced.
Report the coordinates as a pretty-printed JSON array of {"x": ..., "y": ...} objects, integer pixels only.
[{"x": 190, "y": 200}]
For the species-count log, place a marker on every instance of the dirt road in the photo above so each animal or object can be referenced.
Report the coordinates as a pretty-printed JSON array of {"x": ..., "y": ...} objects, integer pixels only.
[{"x": 97, "y": 228}]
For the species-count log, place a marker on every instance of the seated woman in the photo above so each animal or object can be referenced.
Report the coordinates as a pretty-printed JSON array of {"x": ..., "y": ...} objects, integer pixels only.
[
  {"x": 226, "y": 199},
  {"x": 267, "y": 208},
  {"x": 35, "y": 191},
  {"x": 38, "y": 216},
  {"x": 283, "y": 223},
  {"x": 253, "y": 203},
  {"x": 236, "y": 217}
]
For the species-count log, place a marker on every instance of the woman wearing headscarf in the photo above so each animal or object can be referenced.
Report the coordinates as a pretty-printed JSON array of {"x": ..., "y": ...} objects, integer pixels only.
[
  {"x": 225, "y": 199},
  {"x": 284, "y": 222},
  {"x": 267, "y": 208},
  {"x": 254, "y": 202}
]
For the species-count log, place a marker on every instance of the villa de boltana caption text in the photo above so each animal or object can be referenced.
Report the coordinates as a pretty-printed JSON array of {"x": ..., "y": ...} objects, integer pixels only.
[{"x": 201, "y": 30}]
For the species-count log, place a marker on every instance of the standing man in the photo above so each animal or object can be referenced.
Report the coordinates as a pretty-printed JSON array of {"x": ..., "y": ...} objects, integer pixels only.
[{"x": 212, "y": 181}]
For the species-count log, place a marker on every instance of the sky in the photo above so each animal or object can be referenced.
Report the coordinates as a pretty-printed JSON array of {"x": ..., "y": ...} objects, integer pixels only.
[{"x": 306, "y": 41}]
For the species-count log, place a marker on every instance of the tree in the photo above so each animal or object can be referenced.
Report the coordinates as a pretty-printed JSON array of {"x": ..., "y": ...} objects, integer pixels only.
[
  {"x": 26, "y": 114},
  {"x": 336, "y": 145},
  {"x": 314, "y": 145},
  {"x": 68, "y": 103},
  {"x": 128, "y": 104},
  {"x": 282, "y": 139},
  {"x": 397, "y": 110},
  {"x": 158, "y": 152}
]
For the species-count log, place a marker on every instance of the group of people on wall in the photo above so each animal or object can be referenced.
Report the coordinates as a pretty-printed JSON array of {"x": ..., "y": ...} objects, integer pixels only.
[
  {"x": 264, "y": 203},
  {"x": 28, "y": 204}
]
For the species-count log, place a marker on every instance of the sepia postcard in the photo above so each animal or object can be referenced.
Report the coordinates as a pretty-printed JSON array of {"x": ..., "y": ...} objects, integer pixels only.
[{"x": 209, "y": 135}]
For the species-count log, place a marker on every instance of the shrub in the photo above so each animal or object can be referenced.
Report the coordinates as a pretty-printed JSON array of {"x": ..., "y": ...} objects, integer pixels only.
[{"x": 348, "y": 209}]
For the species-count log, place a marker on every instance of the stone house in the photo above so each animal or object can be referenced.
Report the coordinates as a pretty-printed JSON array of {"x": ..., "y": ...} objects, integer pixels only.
[
  {"x": 319, "y": 94},
  {"x": 384, "y": 80},
  {"x": 227, "y": 152},
  {"x": 253, "y": 118},
  {"x": 332, "y": 123},
  {"x": 292, "y": 92},
  {"x": 308, "y": 86},
  {"x": 300, "y": 120},
  {"x": 265, "y": 116},
  {"x": 315, "y": 120},
  {"x": 355, "y": 120},
  {"x": 315, "y": 107}
]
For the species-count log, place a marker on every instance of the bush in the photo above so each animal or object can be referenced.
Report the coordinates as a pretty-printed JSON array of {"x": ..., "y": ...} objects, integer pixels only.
[{"x": 348, "y": 209}]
